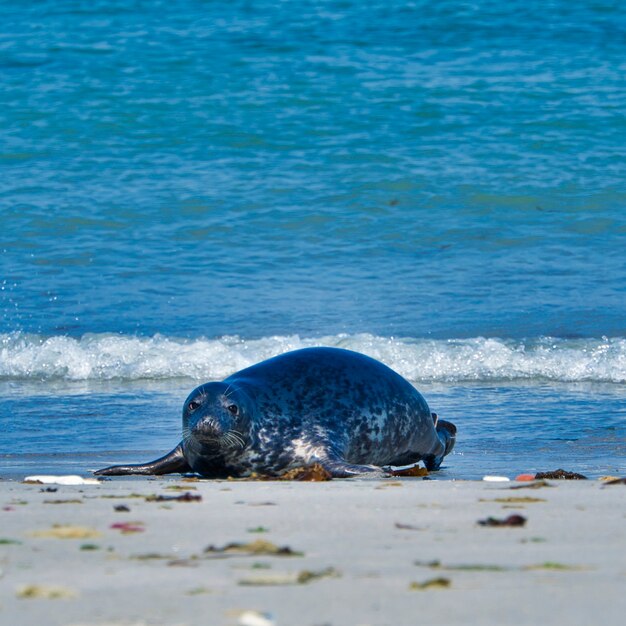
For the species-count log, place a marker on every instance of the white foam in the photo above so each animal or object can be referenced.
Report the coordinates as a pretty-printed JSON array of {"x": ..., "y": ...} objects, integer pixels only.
[{"x": 120, "y": 357}]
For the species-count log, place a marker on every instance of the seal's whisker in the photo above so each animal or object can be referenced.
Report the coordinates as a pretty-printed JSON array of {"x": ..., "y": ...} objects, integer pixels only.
[
  {"x": 239, "y": 437},
  {"x": 234, "y": 438},
  {"x": 186, "y": 434}
]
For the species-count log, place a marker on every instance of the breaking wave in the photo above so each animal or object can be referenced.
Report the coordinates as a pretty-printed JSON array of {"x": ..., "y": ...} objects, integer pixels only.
[{"x": 120, "y": 357}]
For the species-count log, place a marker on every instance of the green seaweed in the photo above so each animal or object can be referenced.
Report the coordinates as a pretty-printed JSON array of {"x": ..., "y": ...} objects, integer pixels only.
[
  {"x": 258, "y": 529},
  {"x": 471, "y": 567},
  {"x": 463, "y": 567},
  {"x": 89, "y": 547},
  {"x": 553, "y": 565},
  {"x": 519, "y": 500},
  {"x": 433, "y": 564},
  {"x": 197, "y": 591}
]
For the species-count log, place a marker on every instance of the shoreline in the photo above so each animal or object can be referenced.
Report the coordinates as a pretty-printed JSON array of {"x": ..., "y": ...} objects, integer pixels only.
[{"x": 397, "y": 551}]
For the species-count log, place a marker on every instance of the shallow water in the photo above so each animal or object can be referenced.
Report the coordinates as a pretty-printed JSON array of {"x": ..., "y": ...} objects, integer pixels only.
[
  {"x": 189, "y": 187},
  {"x": 505, "y": 427}
]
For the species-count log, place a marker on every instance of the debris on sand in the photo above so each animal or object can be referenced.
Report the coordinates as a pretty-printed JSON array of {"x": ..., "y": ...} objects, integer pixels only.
[
  {"x": 67, "y": 531},
  {"x": 185, "y": 497},
  {"x": 89, "y": 547},
  {"x": 524, "y": 477},
  {"x": 615, "y": 481},
  {"x": 471, "y": 567},
  {"x": 308, "y": 473},
  {"x": 253, "y": 548},
  {"x": 258, "y": 529},
  {"x": 127, "y": 528},
  {"x": 46, "y": 592},
  {"x": 559, "y": 474},
  {"x": 254, "y": 618},
  {"x": 313, "y": 473},
  {"x": 511, "y": 520},
  {"x": 536, "y": 484},
  {"x": 415, "y": 471},
  {"x": 401, "y": 526},
  {"x": 517, "y": 500},
  {"x": 431, "y": 583},
  {"x": 61, "y": 480},
  {"x": 554, "y": 566},
  {"x": 297, "y": 578}
]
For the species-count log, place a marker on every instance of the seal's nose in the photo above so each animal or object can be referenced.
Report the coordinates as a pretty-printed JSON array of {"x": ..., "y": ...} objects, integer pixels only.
[{"x": 207, "y": 429}]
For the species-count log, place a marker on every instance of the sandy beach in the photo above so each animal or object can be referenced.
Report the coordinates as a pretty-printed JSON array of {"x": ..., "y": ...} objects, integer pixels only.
[
  {"x": 191, "y": 190},
  {"x": 406, "y": 551}
]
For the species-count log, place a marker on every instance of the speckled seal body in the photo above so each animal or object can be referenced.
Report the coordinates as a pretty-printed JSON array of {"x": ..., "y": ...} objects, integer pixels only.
[{"x": 339, "y": 408}]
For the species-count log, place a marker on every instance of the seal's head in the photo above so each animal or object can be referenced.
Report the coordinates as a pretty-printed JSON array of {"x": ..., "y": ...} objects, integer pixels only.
[{"x": 217, "y": 416}]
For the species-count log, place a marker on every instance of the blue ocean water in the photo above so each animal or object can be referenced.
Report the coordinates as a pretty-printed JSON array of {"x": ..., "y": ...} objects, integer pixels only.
[{"x": 187, "y": 187}]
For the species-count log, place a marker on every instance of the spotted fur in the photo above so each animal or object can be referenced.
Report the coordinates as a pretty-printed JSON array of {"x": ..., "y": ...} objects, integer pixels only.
[{"x": 342, "y": 409}]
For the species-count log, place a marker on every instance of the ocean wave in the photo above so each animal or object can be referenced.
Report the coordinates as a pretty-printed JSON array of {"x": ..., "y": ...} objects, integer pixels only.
[{"x": 120, "y": 357}]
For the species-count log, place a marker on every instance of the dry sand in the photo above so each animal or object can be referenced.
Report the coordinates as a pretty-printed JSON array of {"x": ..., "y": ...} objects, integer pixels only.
[{"x": 363, "y": 551}]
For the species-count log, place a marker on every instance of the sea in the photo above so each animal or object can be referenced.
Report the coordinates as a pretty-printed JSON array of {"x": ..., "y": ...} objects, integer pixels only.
[{"x": 188, "y": 187}]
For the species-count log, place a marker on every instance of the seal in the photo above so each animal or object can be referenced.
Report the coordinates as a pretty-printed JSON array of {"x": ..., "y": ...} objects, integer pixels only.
[{"x": 344, "y": 410}]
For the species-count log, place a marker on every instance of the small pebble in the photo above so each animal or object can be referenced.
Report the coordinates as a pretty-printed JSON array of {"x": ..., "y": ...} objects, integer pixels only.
[
  {"x": 254, "y": 618},
  {"x": 69, "y": 479}
]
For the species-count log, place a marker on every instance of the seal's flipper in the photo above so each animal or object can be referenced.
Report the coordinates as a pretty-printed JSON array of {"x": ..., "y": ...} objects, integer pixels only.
[
  {"x": 446, "y": 431},
  {"x": 350, "y": 470},
  {"x": 171, "y": 463},
  {"x": 339, "y": 468}
]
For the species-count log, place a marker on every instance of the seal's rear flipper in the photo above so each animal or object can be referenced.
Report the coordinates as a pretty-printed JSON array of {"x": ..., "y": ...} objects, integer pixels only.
[
  {"x": 171, "y": 463},
  {"x": 446, "y": 431}
]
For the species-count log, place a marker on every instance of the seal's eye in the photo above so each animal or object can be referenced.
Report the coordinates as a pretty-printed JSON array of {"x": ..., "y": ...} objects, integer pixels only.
[
  {"x": 233, "y": 408},
  {"x": 193, "y": 405}
]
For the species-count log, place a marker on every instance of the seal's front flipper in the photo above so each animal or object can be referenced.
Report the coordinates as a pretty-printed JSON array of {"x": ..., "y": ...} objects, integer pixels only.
[{"x": 171, "y": 463}]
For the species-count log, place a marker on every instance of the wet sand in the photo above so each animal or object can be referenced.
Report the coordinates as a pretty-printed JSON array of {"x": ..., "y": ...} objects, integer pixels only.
[{"x": 406, "y": 551}]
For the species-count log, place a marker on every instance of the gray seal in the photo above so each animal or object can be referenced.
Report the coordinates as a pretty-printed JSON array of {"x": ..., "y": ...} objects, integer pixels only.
[{"x": 341, "y": 409}]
